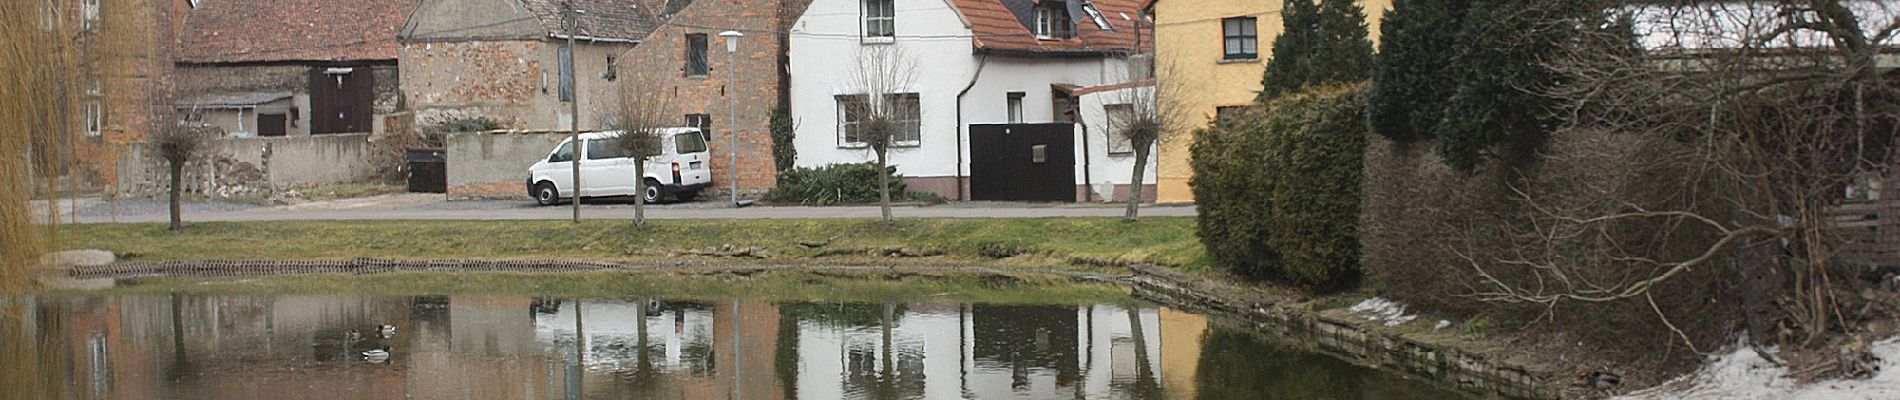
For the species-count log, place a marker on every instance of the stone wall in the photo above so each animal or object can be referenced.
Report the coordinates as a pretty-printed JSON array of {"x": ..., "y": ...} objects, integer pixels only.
[
  {"x": 484, "y": 165},
  {"x": 254, "y": 166},
  {"x": 513, "y": 82}
]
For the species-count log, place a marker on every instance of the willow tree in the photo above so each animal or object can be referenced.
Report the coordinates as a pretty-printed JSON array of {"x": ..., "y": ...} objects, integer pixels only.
[{"x": 37, "y": 86}]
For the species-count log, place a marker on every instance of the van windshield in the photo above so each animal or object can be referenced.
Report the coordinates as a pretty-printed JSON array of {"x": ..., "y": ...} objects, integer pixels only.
[{"x": 689, "y": 142}]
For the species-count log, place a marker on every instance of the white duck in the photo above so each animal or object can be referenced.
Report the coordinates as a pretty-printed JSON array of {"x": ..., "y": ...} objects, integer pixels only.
[
  {"x": 377, "y": 356},
  {"x": 387, "y": 331}
]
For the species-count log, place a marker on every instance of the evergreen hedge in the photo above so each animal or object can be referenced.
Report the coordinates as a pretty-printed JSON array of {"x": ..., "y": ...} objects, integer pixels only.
[
  {"x": 1278, "y": 188},
  {"x": 833, "y": 184}
]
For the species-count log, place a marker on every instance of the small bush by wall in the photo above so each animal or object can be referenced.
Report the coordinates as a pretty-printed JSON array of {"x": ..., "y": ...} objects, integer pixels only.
[
  {"x": 833, "y": 184},
  {"x": 1278, "y": 188}
]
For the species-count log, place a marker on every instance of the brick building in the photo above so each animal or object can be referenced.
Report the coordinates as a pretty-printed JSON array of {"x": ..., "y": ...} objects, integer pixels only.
[
  {"x": 290, "y": 67},
  {"x": 122, "y": 53},
  {"x": 505, "y": 60}
]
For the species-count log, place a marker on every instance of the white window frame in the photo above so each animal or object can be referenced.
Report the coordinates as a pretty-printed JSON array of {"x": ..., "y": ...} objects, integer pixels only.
[
  {"x": 1016, "y": 107},
  {"x": 1047, "y": 24},
  {"x": 873, "y": 19},
  {"x": 89, "y": 9},
  {"x": 914, "y": 123},
  {"x": 1118, "y": 143},
  {"x": 95, "y": 119}
]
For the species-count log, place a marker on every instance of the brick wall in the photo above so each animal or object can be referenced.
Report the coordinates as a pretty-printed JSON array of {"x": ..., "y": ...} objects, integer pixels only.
[{"x": 760, "y": 86}]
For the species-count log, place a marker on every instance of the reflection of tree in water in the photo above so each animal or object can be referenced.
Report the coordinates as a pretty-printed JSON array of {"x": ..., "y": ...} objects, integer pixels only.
[
  {"x": 1027, "y": 338},
  {"x": 1238, "y": 364},
  {"x": 29, "y": 368},
  {"x": 876, "y": 364}
]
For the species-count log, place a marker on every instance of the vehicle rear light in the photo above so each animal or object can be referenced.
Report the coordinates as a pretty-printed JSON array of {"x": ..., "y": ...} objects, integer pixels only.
[{"x": 676, "y": 172}]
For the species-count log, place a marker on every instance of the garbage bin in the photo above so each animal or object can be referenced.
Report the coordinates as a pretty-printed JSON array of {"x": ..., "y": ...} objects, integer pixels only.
[{"x": 428, "y": 171}]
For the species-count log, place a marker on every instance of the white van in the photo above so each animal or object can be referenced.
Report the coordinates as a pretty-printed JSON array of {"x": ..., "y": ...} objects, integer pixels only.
[{"x": 607, "y": 171}]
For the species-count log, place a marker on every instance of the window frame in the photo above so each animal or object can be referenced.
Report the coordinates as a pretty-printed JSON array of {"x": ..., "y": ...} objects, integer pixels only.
[
  {"x": 697, "y": 42},
  {"x": 565, "y": 60},
  {"x": 1114, "y": 128},
  {"x": 1015, "y": 104},
  {"x": 95, "y": 119},
  {"x": 1239, "y": 32},
  {"x": 1053, "y": 23},
  {"x": 876, "y": 27},
  {"x": 911, "y": 136},
  {"x": 703, "y": 122}
]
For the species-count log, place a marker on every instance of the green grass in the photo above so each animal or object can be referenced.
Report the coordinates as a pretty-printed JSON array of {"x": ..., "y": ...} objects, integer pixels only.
[
  {"x": 781, "y": 285},
  {"x": 1042, "y": 243}
]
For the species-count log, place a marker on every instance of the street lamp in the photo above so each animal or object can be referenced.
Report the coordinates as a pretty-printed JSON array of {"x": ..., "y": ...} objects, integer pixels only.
[{"x": 732, "y": 96}]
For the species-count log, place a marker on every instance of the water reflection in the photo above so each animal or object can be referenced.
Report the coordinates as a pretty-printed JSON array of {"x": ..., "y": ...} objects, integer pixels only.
[{"x": 473, "y": 347}]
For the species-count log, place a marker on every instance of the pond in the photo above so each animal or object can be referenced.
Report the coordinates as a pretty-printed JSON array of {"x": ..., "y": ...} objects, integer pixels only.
[{"x": 481, "y": 347}]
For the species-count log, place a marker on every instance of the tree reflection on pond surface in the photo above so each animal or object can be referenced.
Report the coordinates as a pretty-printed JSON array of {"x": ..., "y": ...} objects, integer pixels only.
[{"x": 474, "y": 347}]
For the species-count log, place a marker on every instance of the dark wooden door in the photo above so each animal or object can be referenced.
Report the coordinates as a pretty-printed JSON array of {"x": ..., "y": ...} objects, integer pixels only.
[
  {"x": 1022, "y": 162},
  {"x": 341, "y": 99},
  {"x": 271, "y": 125}
]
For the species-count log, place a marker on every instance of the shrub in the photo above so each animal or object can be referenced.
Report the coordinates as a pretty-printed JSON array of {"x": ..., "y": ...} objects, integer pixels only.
[
  {"x": 833, "y": 184},
  {"x": 784, "y": 152},
  {"x": 1278, "y": 189}
]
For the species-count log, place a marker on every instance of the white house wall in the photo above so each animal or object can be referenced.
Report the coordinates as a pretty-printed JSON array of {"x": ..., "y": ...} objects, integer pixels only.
[
  {"x": 825, "y": 43},
  {"x": 1108, "y": 174}
]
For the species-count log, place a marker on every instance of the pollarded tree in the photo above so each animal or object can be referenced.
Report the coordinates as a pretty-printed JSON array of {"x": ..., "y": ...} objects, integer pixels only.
[
  {"x": 1414, "y": 76},
  {"x": 646, "y": 107},
  {"x": 881, "y": 109},
  {"x": 1153, "y": 112}
]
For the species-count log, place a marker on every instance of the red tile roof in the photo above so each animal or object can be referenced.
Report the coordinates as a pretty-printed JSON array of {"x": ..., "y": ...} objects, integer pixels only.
[
  {"x": 997, "y": 28},
  {"x": 604, "y": 19},
  {"x": 226, "y": 31}
]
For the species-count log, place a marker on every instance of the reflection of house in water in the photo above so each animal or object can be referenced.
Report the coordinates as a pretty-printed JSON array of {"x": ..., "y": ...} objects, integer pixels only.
[{"x": 662, "y": 349}]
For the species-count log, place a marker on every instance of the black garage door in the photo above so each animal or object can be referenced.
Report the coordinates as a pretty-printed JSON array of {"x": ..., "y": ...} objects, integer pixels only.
[{"x": 1022, "y": 162}]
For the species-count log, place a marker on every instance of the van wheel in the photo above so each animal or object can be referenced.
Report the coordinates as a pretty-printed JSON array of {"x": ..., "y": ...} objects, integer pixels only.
[
  {"x": 650, "y": 191},
  {"x": 686, "y": 195},
  {"x": 545, "y": 194}
]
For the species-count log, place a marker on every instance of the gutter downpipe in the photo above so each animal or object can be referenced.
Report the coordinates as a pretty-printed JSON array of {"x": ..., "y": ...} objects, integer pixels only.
[{"x": 961, "y": 129}]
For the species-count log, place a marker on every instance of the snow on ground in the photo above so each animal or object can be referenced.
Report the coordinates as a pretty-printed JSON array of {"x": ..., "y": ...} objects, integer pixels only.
[
  {"x": 1743, "y": 374},
  {"x": 1391, "y": 313}
]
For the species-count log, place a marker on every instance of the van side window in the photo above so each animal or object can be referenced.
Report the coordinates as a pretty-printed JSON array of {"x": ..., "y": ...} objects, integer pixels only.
[
  {"x": 605, "y": 149},
  {"x": 688, "y": 143},
  {"x": 564, "y": 154}
]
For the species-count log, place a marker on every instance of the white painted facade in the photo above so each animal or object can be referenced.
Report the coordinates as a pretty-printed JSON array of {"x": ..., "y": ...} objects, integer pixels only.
[
  {"x": 1108, "y": 174},
  {"x": 825, "y": 44}
]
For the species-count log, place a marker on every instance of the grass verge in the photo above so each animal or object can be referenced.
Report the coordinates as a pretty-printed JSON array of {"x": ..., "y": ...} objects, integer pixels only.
[{"x": 1040, "y": 243}]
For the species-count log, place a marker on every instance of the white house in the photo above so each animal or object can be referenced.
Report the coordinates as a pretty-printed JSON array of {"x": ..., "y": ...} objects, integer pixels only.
[{"x": 994, "y": 64}]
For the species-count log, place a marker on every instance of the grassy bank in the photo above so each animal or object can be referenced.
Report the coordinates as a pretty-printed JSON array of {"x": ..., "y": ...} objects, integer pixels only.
[
  {"x": 776, "y": 285},
  {"x": 1041, "y": 243}
]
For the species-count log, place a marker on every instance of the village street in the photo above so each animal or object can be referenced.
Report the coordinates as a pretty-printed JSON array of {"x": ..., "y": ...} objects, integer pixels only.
[{"x": 434, "y": 207}]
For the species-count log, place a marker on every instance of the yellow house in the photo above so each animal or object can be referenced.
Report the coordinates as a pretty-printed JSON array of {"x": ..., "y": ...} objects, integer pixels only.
[{"x": 1213, "y": 53}]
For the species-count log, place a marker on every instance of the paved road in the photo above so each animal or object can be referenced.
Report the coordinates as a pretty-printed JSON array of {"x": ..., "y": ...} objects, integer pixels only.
[{"x": 433, "y": 207}]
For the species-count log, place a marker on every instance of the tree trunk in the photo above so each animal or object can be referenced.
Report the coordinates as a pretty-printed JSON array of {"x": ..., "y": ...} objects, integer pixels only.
[
  {"x": 639, "y": 193},
  {"x": 178, "y": 181},
  {"x": 1134, "y": 184},
  {"x": 884, "y": 186}
]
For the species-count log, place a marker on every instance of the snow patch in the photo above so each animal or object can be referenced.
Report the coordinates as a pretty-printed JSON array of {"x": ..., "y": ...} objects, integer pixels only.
[
  {"x": 1744, "y": 374},
  {"x": 1390, "y": 313}
]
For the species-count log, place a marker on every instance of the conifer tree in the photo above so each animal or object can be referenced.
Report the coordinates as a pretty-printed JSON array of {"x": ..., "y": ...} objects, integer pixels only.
[
  {"x": 1414, "y": 76},
  {"x": 1287, "y": 69},
  {"x": 1320, "y": 43},
  {"x": 1499, "y": 109}
]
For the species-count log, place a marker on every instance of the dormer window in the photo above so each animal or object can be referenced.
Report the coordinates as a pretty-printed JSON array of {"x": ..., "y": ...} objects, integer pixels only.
[{"x": 1052, "y": 21}]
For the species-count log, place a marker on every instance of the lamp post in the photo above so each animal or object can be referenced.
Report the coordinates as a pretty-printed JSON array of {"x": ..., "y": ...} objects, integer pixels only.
[
  {"x": 732, "y": 96},
  {"x": 574, "y": 105}
]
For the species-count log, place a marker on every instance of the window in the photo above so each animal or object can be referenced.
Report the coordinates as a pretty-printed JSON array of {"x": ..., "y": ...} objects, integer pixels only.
[
  {"x": 95, "y": 119},
  {"x": 93, "y": 87},
  {"x": 880, "y": 19},
  {"x": 696, "y": 54},
  {"x": 1118, "y": 117},
  {"x": 1015, "y": 107},
  {"x": 701, "y": 121},
  {"x": 564, "y": 154},
  {"x": 567, "y": 74},
  {"x": 90, "y": 10},
  {"x": 907, "y": 107},
  {"x": 613, "y": 70},
  {"x": 1241, "y": 38},
  {"x": 607, "y": 149},
  {"x": 1052, "y": 21},
  {"x": 683, "y": 144}
]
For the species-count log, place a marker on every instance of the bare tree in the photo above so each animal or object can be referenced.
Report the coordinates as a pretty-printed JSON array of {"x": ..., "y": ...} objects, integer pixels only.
[
  {"x": 1155, "y": 115},
  {"x": 177, "y": 141},
  {"x": 646, "y": 107},
  {"x": 881, "y": 108},
  {"x": 1749, "y": 119}
]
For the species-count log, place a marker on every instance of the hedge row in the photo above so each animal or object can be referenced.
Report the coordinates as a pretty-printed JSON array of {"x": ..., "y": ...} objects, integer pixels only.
[
  {"x": 833, "y": 184},
  {"x": 1278, "y": 188}
]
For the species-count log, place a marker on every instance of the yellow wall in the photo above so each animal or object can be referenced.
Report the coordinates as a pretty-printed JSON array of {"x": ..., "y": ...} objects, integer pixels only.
[{"x": 1189, "y": 49}]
